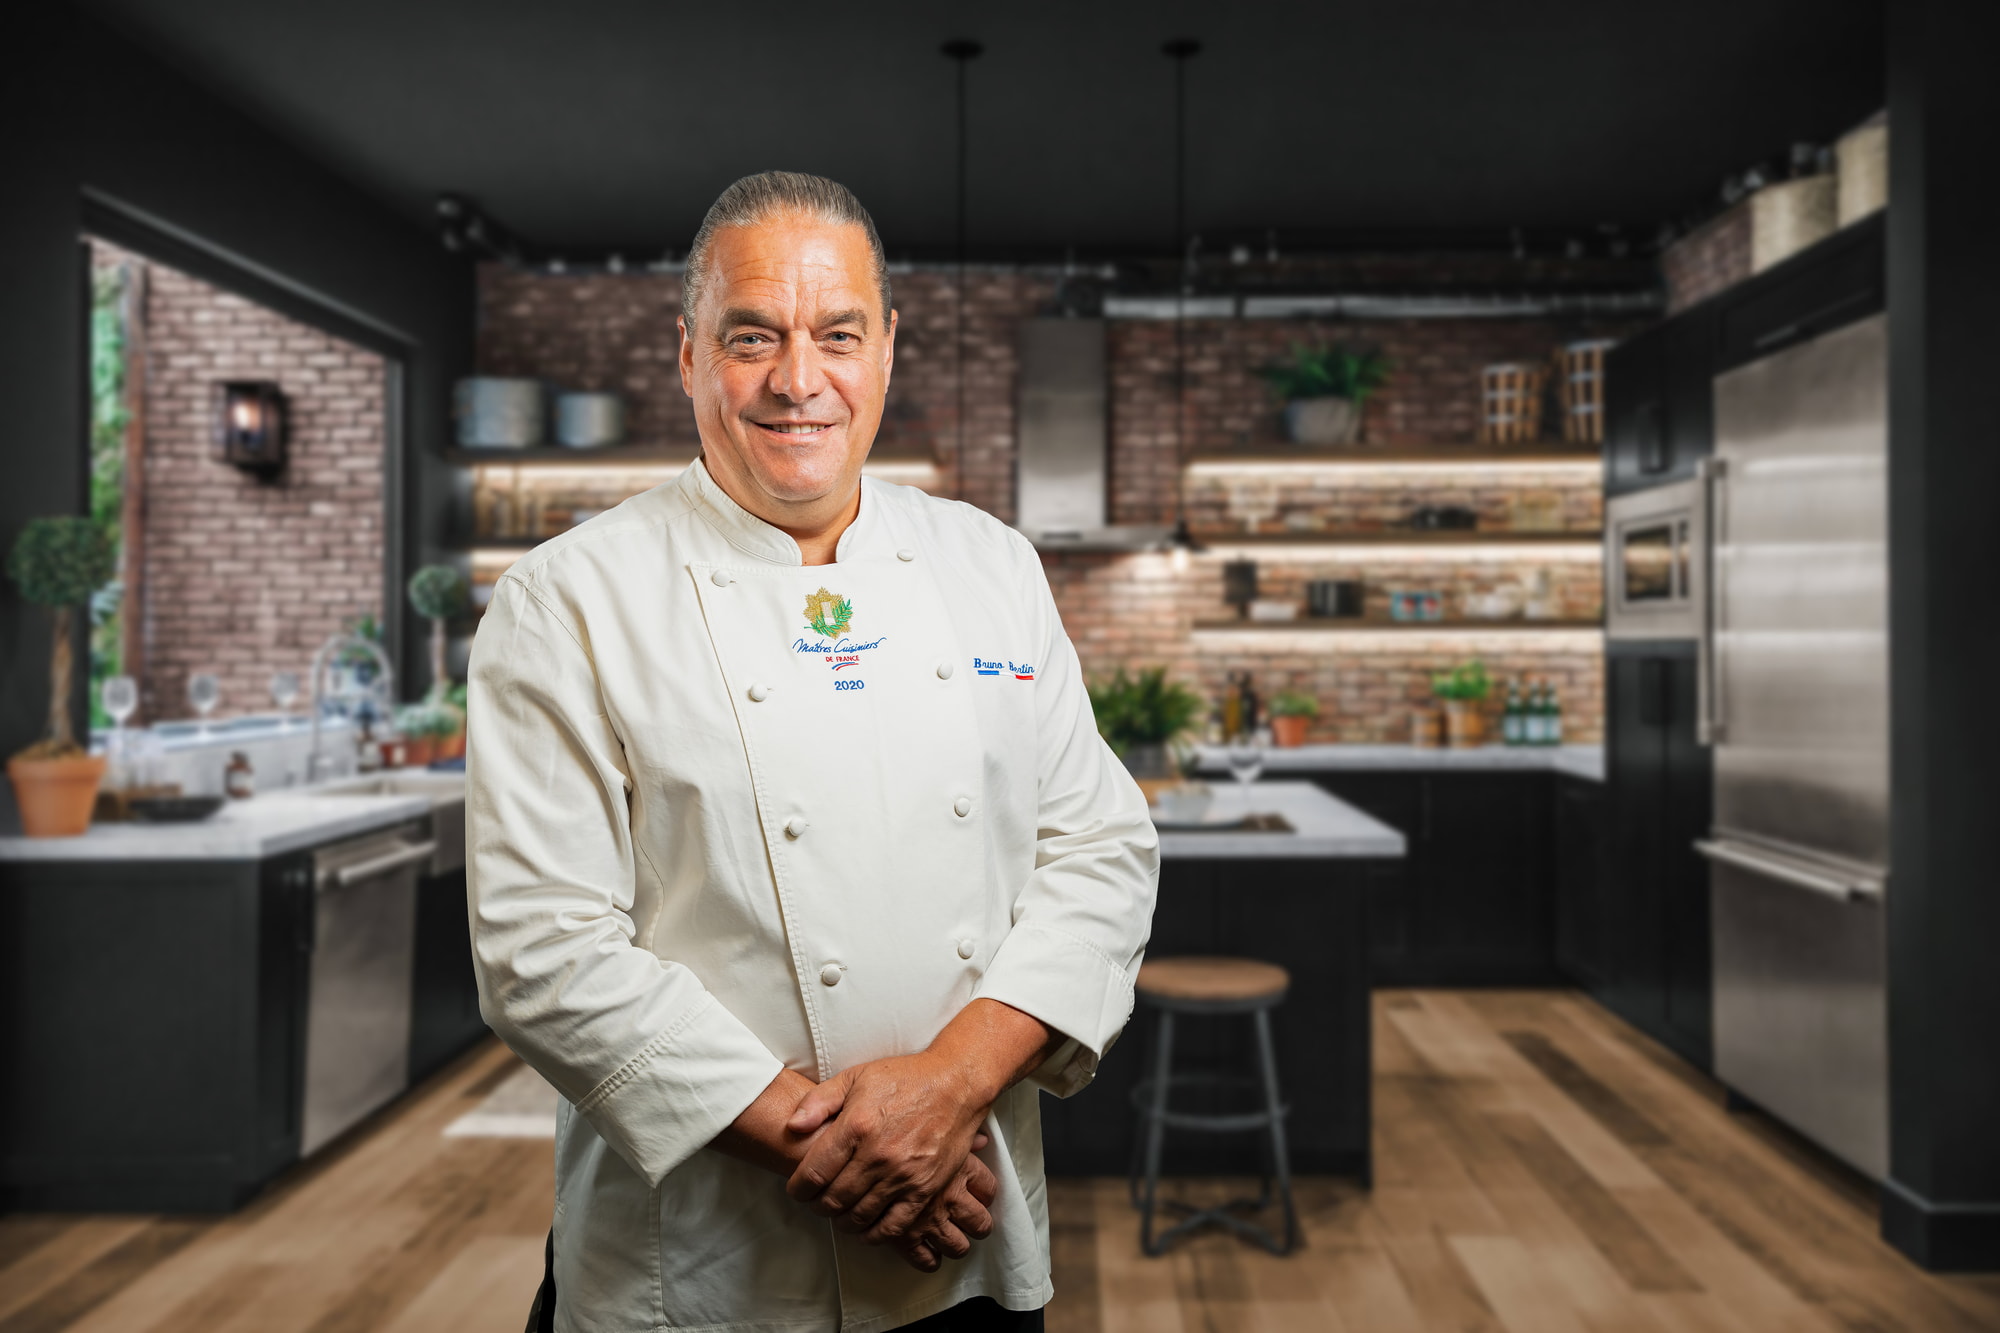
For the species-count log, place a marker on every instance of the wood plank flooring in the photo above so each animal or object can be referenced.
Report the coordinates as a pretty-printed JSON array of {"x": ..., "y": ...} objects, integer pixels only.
[{"x": 1541, "y": 1168}]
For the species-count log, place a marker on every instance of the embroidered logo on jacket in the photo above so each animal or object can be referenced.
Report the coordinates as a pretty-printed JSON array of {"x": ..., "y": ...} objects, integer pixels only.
[
  {"x": 1018, "y": 670},
  {"x": 828, "y": 613}
]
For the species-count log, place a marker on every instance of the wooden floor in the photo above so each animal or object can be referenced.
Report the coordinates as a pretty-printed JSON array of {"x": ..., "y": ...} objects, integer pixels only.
[{"x": 1540, "y": 1169}]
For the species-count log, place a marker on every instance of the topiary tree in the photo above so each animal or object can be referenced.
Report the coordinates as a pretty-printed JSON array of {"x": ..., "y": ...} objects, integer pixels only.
[
  {"x": 59, "y": 563},
  {"x": 437, "y": 592}
]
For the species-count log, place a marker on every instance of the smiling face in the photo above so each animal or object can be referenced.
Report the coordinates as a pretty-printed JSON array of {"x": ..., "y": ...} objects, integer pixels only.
[{"x": 788, "y": 366}]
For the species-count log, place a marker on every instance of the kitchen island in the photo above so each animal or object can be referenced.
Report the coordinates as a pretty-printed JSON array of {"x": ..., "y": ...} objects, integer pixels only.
[
  {"x": 200, "y": 1005},
  {"x": 1297, "y": 898}
]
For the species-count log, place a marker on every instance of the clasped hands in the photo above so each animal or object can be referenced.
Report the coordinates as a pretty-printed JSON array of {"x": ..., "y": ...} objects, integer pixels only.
[{"x": 886, "y": 1149}]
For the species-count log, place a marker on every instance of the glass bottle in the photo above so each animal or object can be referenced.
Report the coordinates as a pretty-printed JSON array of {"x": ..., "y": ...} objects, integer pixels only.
[
  {"x": 1553, "y": 723},
  {"x": 1512, "y": 718}
]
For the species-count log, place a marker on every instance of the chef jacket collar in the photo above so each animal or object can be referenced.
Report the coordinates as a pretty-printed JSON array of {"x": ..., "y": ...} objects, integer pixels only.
[{"x": 742, "y": 529}]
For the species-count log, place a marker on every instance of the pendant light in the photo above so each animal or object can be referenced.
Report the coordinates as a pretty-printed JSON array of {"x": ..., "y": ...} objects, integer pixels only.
[
  {"x": 1181, "y": 50},
  {"x": 962, "y": 50}
]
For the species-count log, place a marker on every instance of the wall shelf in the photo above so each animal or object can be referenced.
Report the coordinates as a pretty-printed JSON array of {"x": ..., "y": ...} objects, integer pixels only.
[
  {"x": 1406, "y": 537},
  {"x": 1324, "y": 625},
  {"x": 612, "y": 457},
  {"x": 1385, "y": 457}
]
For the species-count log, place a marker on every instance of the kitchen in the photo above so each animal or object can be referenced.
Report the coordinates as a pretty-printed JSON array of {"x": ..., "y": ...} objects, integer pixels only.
[{"x": 1434, "y": 569}]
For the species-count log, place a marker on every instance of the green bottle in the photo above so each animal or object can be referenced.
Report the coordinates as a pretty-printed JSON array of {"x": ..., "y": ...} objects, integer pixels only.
[
  {"x": 1552, "y": 721},
  {"x": 1513, "y": 722}
]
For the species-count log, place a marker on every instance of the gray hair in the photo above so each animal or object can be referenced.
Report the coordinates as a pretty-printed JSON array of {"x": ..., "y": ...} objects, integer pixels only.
[{"x": 768, "y": 194}]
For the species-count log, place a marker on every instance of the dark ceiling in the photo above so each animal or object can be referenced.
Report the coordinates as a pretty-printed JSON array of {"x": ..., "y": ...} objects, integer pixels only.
[{"x": 615, "y": 122}]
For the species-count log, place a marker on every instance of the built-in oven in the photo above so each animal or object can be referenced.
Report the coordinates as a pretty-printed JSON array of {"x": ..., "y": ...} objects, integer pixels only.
[{"x": 1656, "y": 563}]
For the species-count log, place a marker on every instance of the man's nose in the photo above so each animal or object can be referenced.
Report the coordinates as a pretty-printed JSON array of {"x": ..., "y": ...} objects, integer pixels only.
[{"x": 798, "y": 375}]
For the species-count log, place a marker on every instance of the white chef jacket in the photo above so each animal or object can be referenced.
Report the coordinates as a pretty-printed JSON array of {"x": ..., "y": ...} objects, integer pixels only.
[{"x": 730, "y": 813}]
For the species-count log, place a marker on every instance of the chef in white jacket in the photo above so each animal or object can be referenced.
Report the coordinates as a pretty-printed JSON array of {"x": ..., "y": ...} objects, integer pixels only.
[{"x": 797, "y": 864}]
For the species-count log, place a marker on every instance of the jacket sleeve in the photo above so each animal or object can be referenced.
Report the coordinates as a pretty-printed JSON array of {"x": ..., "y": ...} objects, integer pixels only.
[
  {"x": 1082, "y": 920},
  {"x": 637, "y": 1044}
]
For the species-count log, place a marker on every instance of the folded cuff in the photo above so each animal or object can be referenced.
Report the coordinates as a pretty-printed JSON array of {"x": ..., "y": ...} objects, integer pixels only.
[
  {"x": 686, "y": 1086},
  {"x": 1069, "y": 984}
]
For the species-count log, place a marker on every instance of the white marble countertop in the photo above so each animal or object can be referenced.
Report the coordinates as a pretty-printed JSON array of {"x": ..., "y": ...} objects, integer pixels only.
[
  {"x": 1582, "y": 761},
  {"x": 249, "y": 830},
  {"x": 1323, "y": 826}
]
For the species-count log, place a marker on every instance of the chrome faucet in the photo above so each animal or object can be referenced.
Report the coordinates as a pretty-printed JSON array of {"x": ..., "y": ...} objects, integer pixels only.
[{"x": 316, "y": 763}]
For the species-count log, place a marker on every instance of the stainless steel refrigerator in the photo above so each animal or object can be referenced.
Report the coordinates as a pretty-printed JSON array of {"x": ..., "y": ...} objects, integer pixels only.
[{"x": 1796, "y": 704}]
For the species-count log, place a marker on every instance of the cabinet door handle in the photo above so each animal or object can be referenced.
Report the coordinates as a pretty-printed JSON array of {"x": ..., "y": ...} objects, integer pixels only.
[
  {"x": 382, "y": 865},
  {"x": 1652, "y": 438},
  {"x": 1710, "y": 727}
]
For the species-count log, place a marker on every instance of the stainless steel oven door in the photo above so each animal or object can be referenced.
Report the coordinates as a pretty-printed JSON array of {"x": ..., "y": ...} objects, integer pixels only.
[{"x": 1656, "y": 563}]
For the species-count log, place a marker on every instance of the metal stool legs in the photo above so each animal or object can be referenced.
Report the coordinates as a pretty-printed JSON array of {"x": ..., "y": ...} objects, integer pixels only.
[{"x": 1150, "y": 1099}]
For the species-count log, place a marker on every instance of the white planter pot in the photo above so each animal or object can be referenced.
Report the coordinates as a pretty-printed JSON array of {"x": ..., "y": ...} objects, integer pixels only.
[{"x": 1322, "y": 421}]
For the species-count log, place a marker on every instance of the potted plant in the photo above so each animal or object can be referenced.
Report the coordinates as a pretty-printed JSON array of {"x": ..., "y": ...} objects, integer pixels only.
[
  {"x": 423, "y": 728},
  {"x": 1464, "y": 689},
  {"x": 1140, "y": 717},
  {"x": 58, "y": 563},
  {"x": 453, "y": 746},
  {"x": 1324, "y": 389},
  {"x": 1291, "y": 714},
  {"x": 438, "y": 592}
]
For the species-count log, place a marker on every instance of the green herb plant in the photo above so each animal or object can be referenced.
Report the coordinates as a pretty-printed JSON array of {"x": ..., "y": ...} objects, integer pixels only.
[
  {"x": 1328, "y": 372},
  {"x": 1143, "y": 709},
  {"x": 436, "y": 720},
  {"x": 60, "y": 563},
  {"x": 1466, "y": 681},
  {"x": 1293, "y": 704}
]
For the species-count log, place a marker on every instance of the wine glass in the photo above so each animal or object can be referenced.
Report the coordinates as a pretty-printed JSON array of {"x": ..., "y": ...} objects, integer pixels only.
[
  {"x": 1245, "y": 755},
  {"x": 204, "y": 692},
  {"x": 284, "y": 689},
  {"x": 121, "y": 700}
]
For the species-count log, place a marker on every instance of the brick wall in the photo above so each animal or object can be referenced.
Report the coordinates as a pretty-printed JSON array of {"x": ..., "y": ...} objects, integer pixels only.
[
  {"x": 241, "y": 577},
  {"x": 616, "y": 332},
  {"x": 1708, "y": 259}
]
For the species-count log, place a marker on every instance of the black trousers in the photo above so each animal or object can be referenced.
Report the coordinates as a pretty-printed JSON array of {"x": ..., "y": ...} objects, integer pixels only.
[{"x": 981, "y": 1314}]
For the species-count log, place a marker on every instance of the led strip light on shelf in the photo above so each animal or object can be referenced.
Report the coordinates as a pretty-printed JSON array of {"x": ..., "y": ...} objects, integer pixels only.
[
  {"x": 1579, "y": 469},
  {"x": 1582, "y": 551},
  {"x": 1505, "y": 637}
]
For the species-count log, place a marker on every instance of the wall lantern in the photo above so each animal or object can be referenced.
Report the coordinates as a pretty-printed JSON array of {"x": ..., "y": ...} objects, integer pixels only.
[{"x": 250, "y": 426}]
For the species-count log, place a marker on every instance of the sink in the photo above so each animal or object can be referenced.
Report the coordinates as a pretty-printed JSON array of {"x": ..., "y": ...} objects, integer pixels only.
[
  {"x": 445, "y": 791},
  {"x": 441, "y": 788}
]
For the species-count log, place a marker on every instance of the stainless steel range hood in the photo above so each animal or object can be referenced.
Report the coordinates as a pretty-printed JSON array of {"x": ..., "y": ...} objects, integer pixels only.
[{"x": 1063, "y": 483}]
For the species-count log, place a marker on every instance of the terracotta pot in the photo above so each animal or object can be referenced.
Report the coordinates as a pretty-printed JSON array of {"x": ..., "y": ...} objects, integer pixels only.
[
  {"x": 56, "y": 796},
  {"x": 1289, "y": 732},
  {"x": 1465, "y": 723},
  {"x": 450, "y": 747},
  {"x": 418, "y": 750}
]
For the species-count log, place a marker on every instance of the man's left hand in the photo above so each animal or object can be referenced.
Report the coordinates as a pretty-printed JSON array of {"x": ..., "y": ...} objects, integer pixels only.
[{"x": 903, "y": 1126}]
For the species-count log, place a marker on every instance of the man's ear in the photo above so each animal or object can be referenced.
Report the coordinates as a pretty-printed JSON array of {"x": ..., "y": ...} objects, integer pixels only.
[
  {"x": 889, "y": 351},
  {"x": 686, "y": 357}
]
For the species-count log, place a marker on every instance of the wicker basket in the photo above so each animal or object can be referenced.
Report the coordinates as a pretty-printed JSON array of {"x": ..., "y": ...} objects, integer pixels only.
[
  {"x": 1581, "y": 367},
  {"x": 1863, "y": 153},
  {"x": 1787, "y": 217},
  {"x": 1511, "y": 403}
]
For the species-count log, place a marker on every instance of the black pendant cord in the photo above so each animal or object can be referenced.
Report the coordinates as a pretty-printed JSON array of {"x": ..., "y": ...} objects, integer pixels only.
[
  {"x": 1181, "y": 49},
  {"x": 964, "y": 51}
]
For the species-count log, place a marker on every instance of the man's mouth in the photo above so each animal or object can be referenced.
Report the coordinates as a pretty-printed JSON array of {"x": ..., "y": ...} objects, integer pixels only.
[{"x": 796, "y": 427}]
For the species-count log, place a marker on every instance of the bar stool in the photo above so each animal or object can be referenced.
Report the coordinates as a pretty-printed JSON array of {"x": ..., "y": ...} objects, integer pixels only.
[{"x": 1211, "y": 987}]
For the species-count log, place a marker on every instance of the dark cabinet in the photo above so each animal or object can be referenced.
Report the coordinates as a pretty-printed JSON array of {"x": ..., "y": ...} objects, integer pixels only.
[
  {"x": 1838, "y": 281},
  {"x": 1579, "y": 861},
  {"x": 157, "y": 1048},
  {"x": 444, "y": 998},
  {"x": 1659, "y": 414},
  {"x": 1469, "y": 904},
  {"x": 1652, "y": 927}
]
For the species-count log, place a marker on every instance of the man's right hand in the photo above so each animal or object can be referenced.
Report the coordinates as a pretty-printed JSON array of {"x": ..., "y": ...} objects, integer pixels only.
[{"x": 945, "y": 1229}]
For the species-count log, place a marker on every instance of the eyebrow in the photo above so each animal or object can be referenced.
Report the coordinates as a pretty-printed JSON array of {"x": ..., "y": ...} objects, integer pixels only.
[{"x": 764, "y": 319}]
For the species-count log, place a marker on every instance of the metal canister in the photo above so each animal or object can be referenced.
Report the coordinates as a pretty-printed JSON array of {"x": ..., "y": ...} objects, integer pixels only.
[
  {"x": 589, "y": 420},
  {"x": 497, "y": 413}
]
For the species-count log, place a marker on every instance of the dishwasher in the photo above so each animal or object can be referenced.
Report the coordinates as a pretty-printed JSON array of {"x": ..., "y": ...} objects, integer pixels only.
[{"x": 363, "y": 926}]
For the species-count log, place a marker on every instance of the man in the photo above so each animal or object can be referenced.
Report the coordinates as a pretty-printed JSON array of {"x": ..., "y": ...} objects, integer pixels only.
[{"x": 793, "y": 897}]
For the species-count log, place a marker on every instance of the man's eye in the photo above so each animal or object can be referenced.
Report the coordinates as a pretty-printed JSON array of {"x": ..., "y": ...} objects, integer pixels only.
[
  {"x": 840, "y": 337},
  {"x": 749, "y": 339}
]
